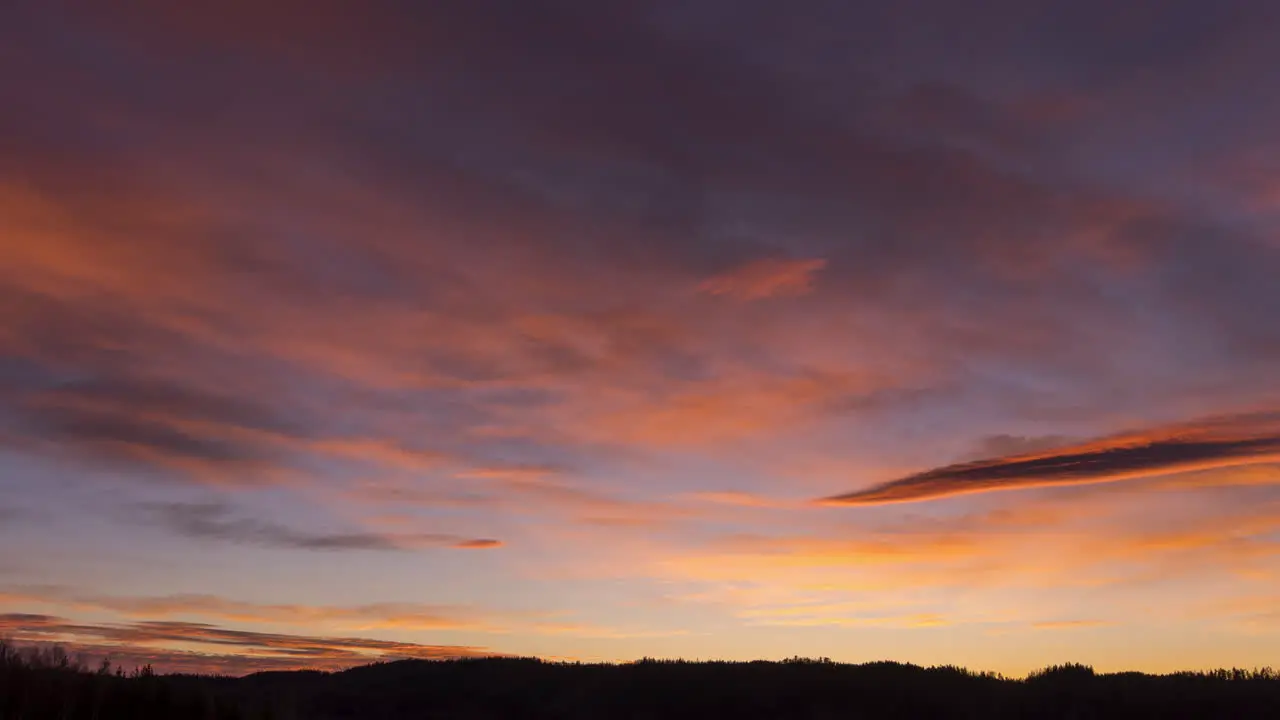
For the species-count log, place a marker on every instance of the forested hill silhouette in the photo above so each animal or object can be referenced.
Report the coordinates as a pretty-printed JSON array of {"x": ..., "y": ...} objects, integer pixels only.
[{"x": 527, "y": 689}]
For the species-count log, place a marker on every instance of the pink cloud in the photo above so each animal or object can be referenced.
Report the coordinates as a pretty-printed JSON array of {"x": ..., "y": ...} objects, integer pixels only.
[{"x": 766, "y": 278}]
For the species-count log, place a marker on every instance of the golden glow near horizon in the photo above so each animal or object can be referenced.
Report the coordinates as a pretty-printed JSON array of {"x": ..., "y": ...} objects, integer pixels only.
[{"x": 327, "y": 339}]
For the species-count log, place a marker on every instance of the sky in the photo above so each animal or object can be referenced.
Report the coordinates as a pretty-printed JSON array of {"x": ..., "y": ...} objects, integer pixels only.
[{"x": 937, "y": 332}]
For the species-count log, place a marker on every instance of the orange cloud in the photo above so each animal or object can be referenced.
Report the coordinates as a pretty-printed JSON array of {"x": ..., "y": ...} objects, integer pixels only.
[
  {"x": 740, "y": 499},
  {"x": 181, "y": 609},
  {"x": 766, "y": 278},
  {"x": 206, "y": 300},
  {"x": 964, "y": 568},
  {"x": 531, "y": 474},
  {"x": 478, "y": 544},
  {"x": 734, "y": 406},
  {"x": 362, "y": 617},
  {"x": 1069, "y": 624},
  {"x": 251, "y": 650}
]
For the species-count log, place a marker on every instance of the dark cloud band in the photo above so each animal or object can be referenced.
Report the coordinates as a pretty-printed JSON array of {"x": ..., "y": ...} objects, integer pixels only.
[
  {"x": 223, "y": 650},
  {"x": 215, "y": 521},
  {"x": 1229, "y": 442}
]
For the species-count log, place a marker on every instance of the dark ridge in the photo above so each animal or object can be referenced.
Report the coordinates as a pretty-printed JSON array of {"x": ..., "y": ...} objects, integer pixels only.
[{"x": 45, "y": 684}]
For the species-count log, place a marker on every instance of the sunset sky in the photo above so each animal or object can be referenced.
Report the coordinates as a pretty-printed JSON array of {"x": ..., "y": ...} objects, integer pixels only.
[{"x": 930, "y": 331}]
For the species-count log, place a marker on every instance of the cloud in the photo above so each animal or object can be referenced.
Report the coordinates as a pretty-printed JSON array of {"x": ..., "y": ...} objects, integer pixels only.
[
  {"x": 226, "y": 650},
  {"x": 327, "y": 278},
  {"x": 216, "y": 521},
  {"x": 1213, "y": 443},
  {"x": 766, "y": 278},
  {"x": 478, "y": 543},
  {"x": 529, "y": 489},
  {"x": 1110, "y": 549},
  {"x": 740, "y": 499},
  {"x": 589, "y": 506},
  {"x": 376, "y": 451},
  {"x": 669, "y": 250},
  {"x": 514, "y": 474},
  {"x": 730, "y": 408},
  {"x": 145, "y": 423},
  {"x": 1069, "y": 624},
  {"x": 207, "y": 436},
  {"x": 387, "y": 615},
  {"x": 195, "y": 609}
]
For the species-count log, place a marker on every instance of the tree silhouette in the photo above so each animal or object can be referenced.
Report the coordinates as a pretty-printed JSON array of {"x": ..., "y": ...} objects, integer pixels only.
[{"x": 45, "y": 683}]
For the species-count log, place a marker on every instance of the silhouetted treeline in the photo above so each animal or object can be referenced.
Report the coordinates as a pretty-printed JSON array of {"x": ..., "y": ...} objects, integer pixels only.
[
  {"x": 45, "y": 683},
  {"x": 798, "y": 689},
  {"x": 501, "y": 688}
]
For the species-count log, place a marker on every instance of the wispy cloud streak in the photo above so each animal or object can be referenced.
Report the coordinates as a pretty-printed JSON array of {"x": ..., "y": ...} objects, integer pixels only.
[
  {"x": 215, "y": 521},
  {"x": 1213, "y": 443},
  {"x": 257, "y": 650},
  {"x": 766, "y": 278}
]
